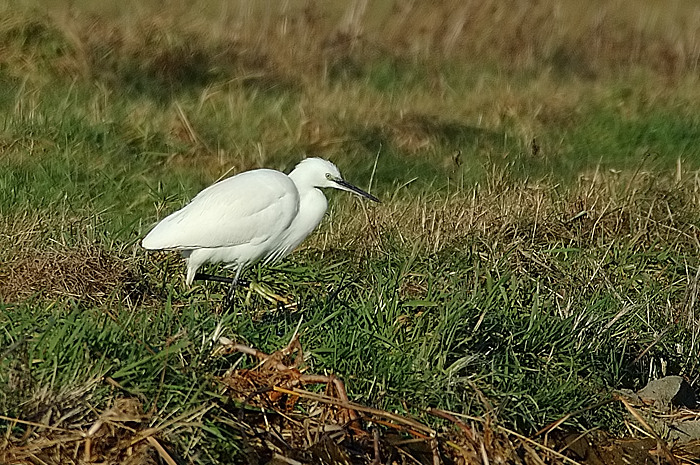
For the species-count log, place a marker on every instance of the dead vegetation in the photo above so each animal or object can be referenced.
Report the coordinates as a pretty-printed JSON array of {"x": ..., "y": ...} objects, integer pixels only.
[
  {"x": 119, "y": 435},
  {"x": 86, "y": 273},
  {"x": 643, "y": 208},
  {"x": 281, "y": 421},
  {"x": 268, "y": 46}
]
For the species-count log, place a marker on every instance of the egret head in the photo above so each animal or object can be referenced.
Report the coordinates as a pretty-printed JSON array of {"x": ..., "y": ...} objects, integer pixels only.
[{"x": 322, "y": 173}]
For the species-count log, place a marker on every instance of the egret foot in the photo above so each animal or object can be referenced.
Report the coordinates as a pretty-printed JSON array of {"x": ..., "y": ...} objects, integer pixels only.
[
  {"x": 266, "y": 293},
  {"x": 261, "y": 289}
]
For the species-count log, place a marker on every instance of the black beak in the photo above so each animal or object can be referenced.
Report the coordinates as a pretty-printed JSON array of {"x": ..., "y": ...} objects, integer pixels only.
[{"x": 349, "y": 187}]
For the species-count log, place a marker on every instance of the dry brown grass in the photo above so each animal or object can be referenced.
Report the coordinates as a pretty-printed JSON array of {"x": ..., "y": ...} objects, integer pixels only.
[
  {"x": 270, "y": 44},
  {"x": 642, "y": 209},
  {"x": 89, "y": 274},
  {"x": 118, "y": 435}
]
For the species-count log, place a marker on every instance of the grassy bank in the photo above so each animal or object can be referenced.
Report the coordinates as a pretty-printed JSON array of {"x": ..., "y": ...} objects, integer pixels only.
[{"x": 536, "y": 248}]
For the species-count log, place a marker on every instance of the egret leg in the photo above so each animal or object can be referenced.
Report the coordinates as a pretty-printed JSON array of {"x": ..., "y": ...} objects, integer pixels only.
[
  {"x": 219, "y": 279},
  {"x": 228, "y": 301}
]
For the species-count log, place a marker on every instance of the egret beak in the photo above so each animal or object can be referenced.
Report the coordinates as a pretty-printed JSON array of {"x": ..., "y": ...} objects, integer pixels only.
[{"x": 349, "y": 187}]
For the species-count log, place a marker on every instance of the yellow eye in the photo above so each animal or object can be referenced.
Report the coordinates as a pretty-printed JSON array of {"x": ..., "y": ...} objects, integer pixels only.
[{"x": 329, "y": 176}]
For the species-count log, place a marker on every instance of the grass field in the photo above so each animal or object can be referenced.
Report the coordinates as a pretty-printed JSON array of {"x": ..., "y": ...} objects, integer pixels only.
[{"x": 536, "y": 248}]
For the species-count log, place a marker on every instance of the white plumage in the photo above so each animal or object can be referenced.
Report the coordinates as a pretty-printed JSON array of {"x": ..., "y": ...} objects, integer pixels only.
[{"x": 258, "y": 215}]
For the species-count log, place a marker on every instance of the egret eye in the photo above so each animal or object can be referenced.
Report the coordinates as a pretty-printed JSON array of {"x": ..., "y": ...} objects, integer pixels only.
[{"x": 329, "y": 176}]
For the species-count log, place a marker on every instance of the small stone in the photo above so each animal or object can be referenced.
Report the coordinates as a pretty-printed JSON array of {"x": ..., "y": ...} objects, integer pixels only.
[
  {"x": 684, "y": 431},
  {"x": 668, "y": 391}
]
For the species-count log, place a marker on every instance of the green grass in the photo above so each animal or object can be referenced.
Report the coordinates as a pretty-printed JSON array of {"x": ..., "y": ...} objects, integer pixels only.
[{"x": 544, "y": 279}]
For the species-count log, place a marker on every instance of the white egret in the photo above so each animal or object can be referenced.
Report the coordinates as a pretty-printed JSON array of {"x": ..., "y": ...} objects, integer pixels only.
[{"x": 257, "y": 215}]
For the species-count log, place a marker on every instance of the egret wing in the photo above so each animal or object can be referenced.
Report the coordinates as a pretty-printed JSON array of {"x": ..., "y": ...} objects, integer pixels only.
[{"x": 248, "y": 208}]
